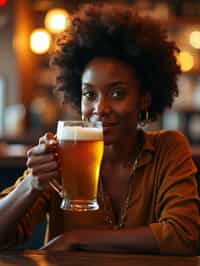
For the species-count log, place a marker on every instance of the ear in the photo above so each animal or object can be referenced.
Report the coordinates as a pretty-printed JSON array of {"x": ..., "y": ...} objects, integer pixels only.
[{"x": 145, "y": 101}]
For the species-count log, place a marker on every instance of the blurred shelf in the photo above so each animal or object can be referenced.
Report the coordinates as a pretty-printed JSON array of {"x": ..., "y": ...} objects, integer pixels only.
[
  {"x": 12, "y": 156},
  {"x": 10, "y": 162},
  {"x": 187, "y": 110},
  {"x": 28, "y": 138}
]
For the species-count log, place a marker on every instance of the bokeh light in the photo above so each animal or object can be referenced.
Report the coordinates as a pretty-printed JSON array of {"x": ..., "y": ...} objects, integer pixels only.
[
  {"x": 40, "y": 41},
  {"x": 186, "y": 61},
  {"x": 195, "y": 39},
  {"x": 57, "y": 20}
]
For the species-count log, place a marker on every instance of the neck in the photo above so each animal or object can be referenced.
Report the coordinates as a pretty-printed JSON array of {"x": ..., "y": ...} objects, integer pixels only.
[{"x": 123, "y": 152}]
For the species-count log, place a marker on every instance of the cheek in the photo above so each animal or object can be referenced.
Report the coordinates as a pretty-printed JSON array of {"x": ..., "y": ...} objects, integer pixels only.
[
  {"x": 85, "y": 108},
  {"x": 126, "y": 108},
  {"x": 128, "y": 113}
]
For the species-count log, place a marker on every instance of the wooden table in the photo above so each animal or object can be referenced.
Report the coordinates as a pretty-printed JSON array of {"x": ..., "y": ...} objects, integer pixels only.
[{"x": 37, "y": 258}]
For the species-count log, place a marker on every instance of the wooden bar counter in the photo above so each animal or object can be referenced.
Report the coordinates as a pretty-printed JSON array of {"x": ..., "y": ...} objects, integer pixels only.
[{"x": 43, "y": 258}]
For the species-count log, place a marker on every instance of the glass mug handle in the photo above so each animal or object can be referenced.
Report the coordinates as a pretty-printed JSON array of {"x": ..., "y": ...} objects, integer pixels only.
[
  {"x": 57, "y": 187},
  {"x": 54, "y": 184}
]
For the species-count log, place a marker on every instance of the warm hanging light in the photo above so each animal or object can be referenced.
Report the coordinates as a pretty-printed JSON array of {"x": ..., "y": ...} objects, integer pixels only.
[
  {"x": 186, "y": 61},
  {"x": 57, "y": 20},
  {"x": 195, "y": 39},
  {"x": 40, "y": 41}
]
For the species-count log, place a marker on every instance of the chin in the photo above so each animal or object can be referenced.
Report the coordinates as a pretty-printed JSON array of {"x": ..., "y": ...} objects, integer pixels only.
[
  {"x": 108, "y": 140},
  {"x": 107, "y": 143}
]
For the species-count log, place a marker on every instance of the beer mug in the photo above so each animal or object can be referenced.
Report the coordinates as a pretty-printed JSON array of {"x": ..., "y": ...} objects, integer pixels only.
[{"x": 80, "y": 151}]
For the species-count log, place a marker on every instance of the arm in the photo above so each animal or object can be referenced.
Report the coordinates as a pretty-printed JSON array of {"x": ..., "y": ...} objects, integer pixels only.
[
  {"x": 139, "y": 240},
  {"x": 177, "y": 208},
  {"x": 16, "y": 207},
  {"x": 12, "y": 209}
]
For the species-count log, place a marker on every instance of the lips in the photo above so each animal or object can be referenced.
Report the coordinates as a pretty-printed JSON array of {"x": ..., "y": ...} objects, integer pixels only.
[
  {"x": 109, "y": 124},
  {"x": 108, "y": 127}
]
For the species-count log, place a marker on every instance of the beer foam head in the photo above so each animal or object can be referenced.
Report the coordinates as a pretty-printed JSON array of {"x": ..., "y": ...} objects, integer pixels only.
[{"x": 78, "y": 133}]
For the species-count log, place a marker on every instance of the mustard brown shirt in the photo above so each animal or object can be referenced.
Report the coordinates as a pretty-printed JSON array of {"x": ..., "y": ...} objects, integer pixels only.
[{"x": 164, "y": 197}]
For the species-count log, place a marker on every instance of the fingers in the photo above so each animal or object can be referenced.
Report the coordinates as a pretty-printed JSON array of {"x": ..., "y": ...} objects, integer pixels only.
[
  {"x": 40, "y": 159},
  {"x": 42, "y": 170},
  {"x": 36, "y": 150},
  {"x": 42, "y": 148},
  {"x": 42, "y": 162},
  {"x": 47, "y": 138},
  {"x": 47, "y": 143},
  {"x": 41, "y": 182},
  {"x": 45, "y": 168}
]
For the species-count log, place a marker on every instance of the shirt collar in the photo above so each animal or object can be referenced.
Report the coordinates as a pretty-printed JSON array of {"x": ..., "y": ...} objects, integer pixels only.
[{"x": 148, "y": 148}]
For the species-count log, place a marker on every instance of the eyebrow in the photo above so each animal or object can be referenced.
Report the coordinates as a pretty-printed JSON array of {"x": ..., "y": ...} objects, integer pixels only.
[
  {"x": 117, "y": 83},
  {"x": 87, "y": 84},
  {"x": 114, "y": 83}
]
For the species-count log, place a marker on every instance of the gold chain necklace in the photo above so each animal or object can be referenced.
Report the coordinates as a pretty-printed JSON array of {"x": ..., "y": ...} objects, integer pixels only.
[{"x": 124, "y": 209}]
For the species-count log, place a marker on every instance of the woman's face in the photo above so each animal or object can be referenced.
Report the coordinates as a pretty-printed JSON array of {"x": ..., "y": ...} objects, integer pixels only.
[{"x": 110, "y": 93}]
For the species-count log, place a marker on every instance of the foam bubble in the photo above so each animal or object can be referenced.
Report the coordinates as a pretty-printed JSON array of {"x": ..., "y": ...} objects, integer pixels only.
[{"x": 79, "y": 133}]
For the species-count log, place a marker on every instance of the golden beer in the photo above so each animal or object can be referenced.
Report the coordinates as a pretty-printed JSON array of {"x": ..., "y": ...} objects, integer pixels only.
[{"x": 80, "y": 152}]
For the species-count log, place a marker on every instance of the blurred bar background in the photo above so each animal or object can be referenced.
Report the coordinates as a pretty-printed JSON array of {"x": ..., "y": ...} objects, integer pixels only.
[
  {"x": 28, "y": 29},
  {"x": 28, "y": 108}
]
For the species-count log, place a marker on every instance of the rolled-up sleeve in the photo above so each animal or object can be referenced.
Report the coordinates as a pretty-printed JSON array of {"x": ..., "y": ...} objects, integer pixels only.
[
  {"x": 177, "y": 207},
  {"x": 34, "y": 215}
]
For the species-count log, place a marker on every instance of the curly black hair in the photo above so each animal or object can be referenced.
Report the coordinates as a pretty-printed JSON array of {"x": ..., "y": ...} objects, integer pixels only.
[{"x": 118, "y": 31}]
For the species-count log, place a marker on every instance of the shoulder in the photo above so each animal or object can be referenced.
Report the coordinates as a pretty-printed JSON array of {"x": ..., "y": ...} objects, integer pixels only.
[
  {"x": 172, "y": 136},
  {"x": 166, "y": 136},
  {"x": 169, "y": 140},
  {"x": 172, "y": 154}
]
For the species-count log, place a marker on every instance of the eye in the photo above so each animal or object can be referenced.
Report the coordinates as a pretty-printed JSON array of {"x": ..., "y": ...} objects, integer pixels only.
[
  {"x": 89, "y": 95},
  {"x": 118, "y": 94}
]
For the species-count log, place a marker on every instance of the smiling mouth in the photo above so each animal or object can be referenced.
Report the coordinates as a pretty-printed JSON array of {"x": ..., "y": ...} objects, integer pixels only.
[{"x": 108, "y": 126}]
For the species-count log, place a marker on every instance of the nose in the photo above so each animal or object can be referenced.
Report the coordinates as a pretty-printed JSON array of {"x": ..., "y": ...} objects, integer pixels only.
[{"x": 102, "y": 106}]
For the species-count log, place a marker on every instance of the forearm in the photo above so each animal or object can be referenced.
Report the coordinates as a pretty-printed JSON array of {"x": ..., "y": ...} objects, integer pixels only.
[
  {"x": 12, "y": 208},
  {"x": 140, "y": 240}
]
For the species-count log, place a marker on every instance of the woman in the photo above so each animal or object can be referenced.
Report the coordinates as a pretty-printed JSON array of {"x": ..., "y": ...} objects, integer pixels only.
[{"x": 118, "y": 68}]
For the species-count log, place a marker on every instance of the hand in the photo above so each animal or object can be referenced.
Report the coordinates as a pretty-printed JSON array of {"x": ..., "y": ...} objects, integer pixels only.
[
  {"x": 72, "y": 240},
  {"x": 64, "y": 242},
  {"x": 42, "y": 163},
  {"x": 81, "y": 240}
]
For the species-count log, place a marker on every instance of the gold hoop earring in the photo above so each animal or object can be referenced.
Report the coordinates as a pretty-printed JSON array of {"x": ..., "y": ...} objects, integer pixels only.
[{"x": 143, "y": 118}]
